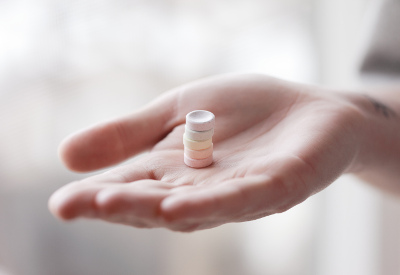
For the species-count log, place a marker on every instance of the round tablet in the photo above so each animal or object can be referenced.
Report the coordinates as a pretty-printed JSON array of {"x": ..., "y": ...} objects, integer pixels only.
[
  {"x": 198, "y": 163},
  {"x": 196, "y": 145},
  {"x": 199, "y": 154},
  {"x": 198, "y": 136},
  {"x": 200, "y": 120}
]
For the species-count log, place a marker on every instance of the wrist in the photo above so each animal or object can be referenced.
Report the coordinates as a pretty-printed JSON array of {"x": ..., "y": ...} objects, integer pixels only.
[
  {"x": 354, "y": 110},
  {"x": 378, "y": 156}
]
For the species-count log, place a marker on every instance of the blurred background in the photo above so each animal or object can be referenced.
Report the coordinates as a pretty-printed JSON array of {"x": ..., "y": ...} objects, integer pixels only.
[{"x": 65, "y": 65}]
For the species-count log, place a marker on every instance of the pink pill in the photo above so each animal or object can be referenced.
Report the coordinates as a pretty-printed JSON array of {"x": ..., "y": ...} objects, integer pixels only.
[
  {"x": 200, "y": 120},
  {"x": 199, "y": 154},
  {"x": 198, "y": 163}
]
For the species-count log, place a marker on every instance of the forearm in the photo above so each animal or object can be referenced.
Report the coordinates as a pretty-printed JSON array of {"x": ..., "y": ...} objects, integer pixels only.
[{"x": 378, "y": 159}]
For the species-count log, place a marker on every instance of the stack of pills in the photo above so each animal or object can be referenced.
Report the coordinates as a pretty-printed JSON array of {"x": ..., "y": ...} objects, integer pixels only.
[{"x": 197, "y": 139}]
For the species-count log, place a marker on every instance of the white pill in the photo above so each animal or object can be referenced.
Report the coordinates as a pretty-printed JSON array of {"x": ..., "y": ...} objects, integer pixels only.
[
  {"x": 198, "y": 136},
  {"x": 200, "y": 120}
]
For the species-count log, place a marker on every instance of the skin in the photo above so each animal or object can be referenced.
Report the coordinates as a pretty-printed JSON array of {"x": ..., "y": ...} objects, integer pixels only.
[{"x": 275, "y": 144}]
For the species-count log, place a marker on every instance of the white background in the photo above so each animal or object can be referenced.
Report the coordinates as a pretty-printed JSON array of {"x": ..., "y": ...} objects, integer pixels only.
[{"x": 65, "y": 65}]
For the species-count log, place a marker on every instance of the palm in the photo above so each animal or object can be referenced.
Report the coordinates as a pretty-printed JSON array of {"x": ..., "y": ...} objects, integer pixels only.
[{"x": 272, "y": 149}]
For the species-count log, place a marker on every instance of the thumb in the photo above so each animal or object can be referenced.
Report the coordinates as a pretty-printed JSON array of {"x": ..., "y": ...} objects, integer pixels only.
[{"x": 109, "y": 143}]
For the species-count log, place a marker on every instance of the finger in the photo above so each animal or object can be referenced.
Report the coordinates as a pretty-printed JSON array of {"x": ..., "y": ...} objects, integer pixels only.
[
  {"x": 112, "y": 142},
  {"x": 209, "y": 204},
  {"x": 135, "y": 204},
  {"x": 235, "y": 200},
  {"x": 77, "y": 199}
]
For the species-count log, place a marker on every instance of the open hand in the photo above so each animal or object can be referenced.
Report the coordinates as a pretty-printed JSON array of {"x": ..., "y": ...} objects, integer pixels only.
[{"x": 275, "y": 144}]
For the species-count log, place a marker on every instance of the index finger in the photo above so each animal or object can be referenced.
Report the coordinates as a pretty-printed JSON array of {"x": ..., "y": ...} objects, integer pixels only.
[{"x": 109, "y": 143}]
